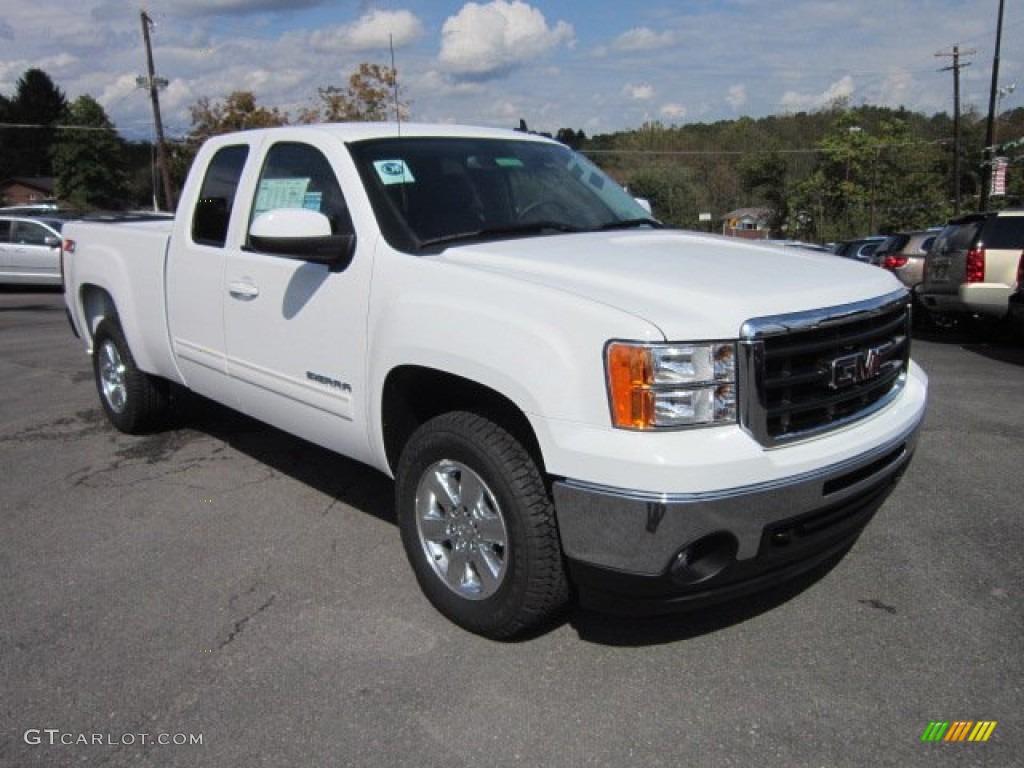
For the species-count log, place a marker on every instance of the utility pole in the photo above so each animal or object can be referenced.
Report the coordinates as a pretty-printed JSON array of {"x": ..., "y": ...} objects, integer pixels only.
[
  {"x": 152, "y": 83},
  {"x": 990, "y": 125},
  {"x": 956, "y": 66}
]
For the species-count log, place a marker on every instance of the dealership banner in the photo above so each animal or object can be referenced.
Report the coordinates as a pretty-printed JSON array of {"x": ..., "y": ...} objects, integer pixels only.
[{"x": 999, "y": 176}]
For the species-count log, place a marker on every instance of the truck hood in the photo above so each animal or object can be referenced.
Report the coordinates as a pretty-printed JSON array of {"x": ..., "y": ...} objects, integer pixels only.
[{"x": 687, "y": 284}]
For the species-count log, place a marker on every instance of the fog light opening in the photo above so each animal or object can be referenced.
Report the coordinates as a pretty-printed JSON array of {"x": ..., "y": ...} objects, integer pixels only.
[{"x": 704, "y": 558}]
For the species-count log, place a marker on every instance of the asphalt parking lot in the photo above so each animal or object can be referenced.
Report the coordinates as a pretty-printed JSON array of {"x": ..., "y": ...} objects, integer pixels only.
[{"x": 221, "y": 594}]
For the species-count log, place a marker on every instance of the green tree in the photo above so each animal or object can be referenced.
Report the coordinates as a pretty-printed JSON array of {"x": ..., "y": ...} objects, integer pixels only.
[
  {"x": 369, "y": 96},
  {"x": 670, "y": 191},
  {"x": 88, "y": 159},
  {"x": 7, "y": 155},
  {"x": 38, "y": 104},
  {"x": 768, "y": 175}
]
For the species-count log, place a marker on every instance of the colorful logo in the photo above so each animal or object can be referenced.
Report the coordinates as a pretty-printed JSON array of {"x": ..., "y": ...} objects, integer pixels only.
[{"x": 959, "y": 730}]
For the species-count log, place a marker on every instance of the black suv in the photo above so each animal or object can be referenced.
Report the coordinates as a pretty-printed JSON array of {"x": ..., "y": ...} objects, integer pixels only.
[{"x": 971, "y": 268}]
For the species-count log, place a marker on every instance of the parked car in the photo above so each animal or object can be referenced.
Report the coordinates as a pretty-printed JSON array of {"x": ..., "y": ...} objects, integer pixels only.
[
  {"x": 971, "y": 269},
  {"x": 30, "y": 249},
  {"x": 859, "y": 249},
  {"x": 903, "y": 254}
]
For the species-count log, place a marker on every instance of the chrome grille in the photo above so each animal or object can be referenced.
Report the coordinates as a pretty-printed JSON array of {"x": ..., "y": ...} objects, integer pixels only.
[{"x": 810, "y": 372}]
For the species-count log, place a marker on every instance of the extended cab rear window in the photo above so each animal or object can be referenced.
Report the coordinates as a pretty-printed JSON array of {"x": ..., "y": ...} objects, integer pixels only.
[{"x": 217, "y": 196}]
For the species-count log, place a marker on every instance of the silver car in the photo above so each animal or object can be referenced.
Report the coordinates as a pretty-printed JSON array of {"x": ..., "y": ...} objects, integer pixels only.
[
  {"x": 30, "y": 250},
  {"x": 903, "y": 254}
]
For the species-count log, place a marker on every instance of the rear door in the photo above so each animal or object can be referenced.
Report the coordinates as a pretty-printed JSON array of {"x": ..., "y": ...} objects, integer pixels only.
[
  {"x": 195, "y": 276},
  {"x": 295, "y": 331}
]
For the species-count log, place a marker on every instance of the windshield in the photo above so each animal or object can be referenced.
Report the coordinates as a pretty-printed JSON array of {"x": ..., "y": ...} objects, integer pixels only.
[{"x": 430, "y": 192}]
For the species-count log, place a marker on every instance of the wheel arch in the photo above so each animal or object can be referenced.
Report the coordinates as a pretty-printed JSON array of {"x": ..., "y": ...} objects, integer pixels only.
[
  {"x": 94, "y": 305},
  {"x": 412, "y": 395}
]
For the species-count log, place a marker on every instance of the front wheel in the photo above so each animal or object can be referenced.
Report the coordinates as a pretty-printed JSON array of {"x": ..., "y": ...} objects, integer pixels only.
[
  {"x": 478, "y": 526},
  {"x": 134, "y": 401}
]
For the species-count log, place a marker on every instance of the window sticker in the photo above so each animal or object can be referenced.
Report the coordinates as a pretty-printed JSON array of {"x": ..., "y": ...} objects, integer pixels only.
[
  {"x": 393, "y": 172},
  {"x": 508, "y": 162},
  {"x": 281, "y": 193}
]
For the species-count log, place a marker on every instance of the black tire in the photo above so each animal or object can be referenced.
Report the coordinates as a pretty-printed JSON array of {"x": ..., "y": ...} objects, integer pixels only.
[
  {"x": 134, "y": 401},
  {"x": 491, "y": 562}
]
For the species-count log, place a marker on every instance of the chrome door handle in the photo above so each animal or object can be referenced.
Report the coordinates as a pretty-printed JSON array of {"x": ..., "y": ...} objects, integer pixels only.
[{"x": 243, "y": 290}]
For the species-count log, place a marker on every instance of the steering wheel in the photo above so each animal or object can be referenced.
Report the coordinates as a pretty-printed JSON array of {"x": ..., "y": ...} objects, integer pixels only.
[{"x": 544, "y": 202}]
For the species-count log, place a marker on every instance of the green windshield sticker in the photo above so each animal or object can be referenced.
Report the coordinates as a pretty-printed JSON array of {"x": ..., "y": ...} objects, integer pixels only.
[
  {"x": 393, "y": 172},
  {"x": 509, "y": 162}
]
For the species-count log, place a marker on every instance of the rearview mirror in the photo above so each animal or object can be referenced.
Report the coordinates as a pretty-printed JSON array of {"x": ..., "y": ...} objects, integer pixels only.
[{"x": 301, "y": 234}]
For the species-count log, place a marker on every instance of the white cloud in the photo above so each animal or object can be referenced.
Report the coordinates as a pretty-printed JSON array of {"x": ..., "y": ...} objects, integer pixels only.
[
  {"x": 484, "y": 41},
  {"x": 642, "y": 39},
  {"x": 793, "y": 101},
  {"x": 438, "y": 84},
  {"x": 737, "y": 96},
  {"x": 673, "y": 111},
  {"x": 641, "y": 92},
  {"x": 898, "y": 87},
  {"x": 375, "y": 29}
]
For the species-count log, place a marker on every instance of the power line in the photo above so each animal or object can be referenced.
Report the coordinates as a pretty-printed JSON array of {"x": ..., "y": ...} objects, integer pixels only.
[{"x": 58, "y": 127}]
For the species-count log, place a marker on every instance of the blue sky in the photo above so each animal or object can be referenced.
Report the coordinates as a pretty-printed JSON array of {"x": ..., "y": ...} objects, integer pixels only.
[{"x": 599, "y": 66}]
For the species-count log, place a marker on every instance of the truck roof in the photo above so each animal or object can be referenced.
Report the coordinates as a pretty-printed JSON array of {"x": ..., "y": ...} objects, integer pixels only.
[{"x": 349, "y": 132}]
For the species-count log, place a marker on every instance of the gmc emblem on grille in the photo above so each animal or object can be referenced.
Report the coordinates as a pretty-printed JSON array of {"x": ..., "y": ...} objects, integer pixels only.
[{"x": 859, "y": 367}]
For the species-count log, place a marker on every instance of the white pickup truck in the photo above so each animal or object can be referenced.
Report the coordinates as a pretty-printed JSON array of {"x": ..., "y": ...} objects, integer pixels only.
[{"x": 574, "y": 401}]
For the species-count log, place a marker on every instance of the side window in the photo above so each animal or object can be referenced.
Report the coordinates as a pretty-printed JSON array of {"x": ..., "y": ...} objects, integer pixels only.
[
  {"x": 299, "y": 176},
  {"x": 29, "y": 233},
  {"x": 217, "y": 196},
  {"x": 5, "y": 231}
]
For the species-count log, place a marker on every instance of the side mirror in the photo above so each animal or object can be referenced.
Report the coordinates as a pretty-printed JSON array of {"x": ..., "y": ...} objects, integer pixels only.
[
  {"x": 51, "y": 241},
  {"x": 301, "y": 234}
]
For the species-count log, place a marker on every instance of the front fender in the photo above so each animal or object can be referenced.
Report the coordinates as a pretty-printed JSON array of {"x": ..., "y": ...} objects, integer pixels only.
[{"x": 539, "y": 347}]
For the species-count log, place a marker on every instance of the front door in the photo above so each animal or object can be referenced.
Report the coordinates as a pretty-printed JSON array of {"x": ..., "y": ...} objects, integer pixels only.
[{"x": 295, "y": 331}]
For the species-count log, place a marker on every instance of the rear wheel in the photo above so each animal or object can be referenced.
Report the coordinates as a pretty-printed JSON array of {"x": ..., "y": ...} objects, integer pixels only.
[
  {"x": 134, "y": 401},
  {"x": 478, "y": 526}
]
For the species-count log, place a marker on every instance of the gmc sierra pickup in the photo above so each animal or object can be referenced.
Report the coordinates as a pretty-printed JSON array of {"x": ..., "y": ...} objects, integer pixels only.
[{"x": 574, "y": 402}]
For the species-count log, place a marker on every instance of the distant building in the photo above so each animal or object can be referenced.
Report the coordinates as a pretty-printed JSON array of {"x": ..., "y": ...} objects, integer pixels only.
[
  {"x": 748, "y": 223},
  {"x": 26, "y": 190}
]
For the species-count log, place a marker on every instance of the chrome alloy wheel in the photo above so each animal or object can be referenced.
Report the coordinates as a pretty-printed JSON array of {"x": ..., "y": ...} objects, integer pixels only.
[
  {"x": 112, "y": 377},
  {"x": 461, "y": 529}
]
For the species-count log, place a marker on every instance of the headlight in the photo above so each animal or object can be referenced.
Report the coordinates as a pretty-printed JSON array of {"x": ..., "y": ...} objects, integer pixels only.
[{"x": 671, "y": 386}]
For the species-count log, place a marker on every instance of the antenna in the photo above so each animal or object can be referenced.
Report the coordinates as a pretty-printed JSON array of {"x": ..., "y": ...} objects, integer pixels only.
[{"x": 394, "y": 83}]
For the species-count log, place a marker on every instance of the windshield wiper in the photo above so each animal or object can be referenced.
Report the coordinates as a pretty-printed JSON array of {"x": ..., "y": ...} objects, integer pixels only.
[
  {"x": 529, "y": 228},
  {"x": 646, "y": 221}
]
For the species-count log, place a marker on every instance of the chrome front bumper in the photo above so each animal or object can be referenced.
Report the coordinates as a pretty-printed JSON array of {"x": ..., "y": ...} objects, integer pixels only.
[{"x": 683, "y": 547}]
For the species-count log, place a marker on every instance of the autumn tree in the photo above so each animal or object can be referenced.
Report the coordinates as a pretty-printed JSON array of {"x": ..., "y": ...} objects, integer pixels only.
[
  {"x": 88, "y": 158},
  {"x": 369, "y": 96},
  {"x": 238, "y": 112}
]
